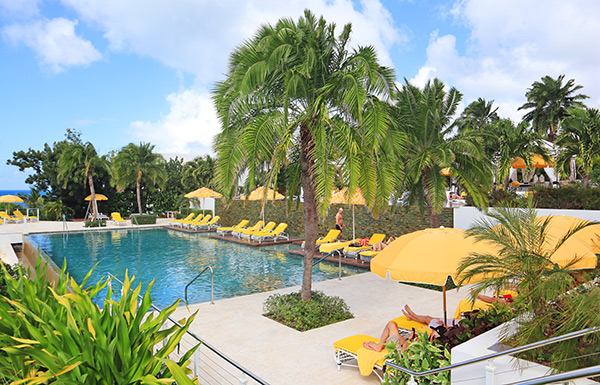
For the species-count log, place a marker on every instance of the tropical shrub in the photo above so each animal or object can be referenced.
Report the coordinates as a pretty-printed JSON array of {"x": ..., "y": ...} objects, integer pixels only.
[
  {"x": 97, "y": 223},
  {"x": 420, "y": 355},
  {"x": 12, "y": 272},
  {"x": 49, "y": 333},
  {"x": 567, "y": 197},
  {"x": 320, "y": 310},
  {"x": 143, "y": 219}
]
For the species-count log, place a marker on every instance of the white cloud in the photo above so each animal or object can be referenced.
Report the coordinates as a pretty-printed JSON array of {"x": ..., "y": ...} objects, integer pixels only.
[
  {"x": 197, "y": 36},
  {"x": 19, "y": 8},
  {"x": 188, "y": 128},
  {"x": 55, "y": 43},
  {"x": 514, "y": 43}
]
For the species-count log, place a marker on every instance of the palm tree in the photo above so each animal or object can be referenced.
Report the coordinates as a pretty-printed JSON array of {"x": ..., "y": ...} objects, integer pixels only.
[
  {"x": 524, "y": 258},
  {"x": 426, "y": 118},
  {"x": 580, "y": 138},
  {"x": 510, "y": 142},
  {"x": 78, "y": 162},
  {"x": 137, "y": 165},
  {"x": 478, "y": 115},
  {"x": 294, "y": 95},
  {"x": 199, "y": 172},
  {"x": 549, "y": 101}
]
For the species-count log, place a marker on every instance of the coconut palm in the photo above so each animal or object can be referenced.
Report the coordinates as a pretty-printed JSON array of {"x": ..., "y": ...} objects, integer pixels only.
[
  {"x": 78, "y": 162},
  {"x": 549, "y": 101},
  {"x": 580, "y": 138},
  {"x": 510, "y": 142},
  {"x": 136, "y": 165},
  {"x": 295, "y": 95},
  {"x": 198, "y": 172},
  {"x": 524, "y": 260},
  {"x": 477, "y": 116},
  {"x": 426, "y": 118}
]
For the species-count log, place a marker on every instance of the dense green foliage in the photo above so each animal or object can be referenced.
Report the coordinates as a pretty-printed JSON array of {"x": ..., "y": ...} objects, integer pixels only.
[
  {"x": 144, "y": 219},
  {"x": 569, "y": 197},
  {"x": 96, "y": 223},
  {"x": 61, "y": 336},
  {"x": 12, "y": 272},
  {"x": 320, "y": 310}
]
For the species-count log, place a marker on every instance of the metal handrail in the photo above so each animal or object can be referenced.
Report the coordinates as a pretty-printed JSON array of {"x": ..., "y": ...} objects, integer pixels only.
[
  {"x": 339, "y": 261},
  {"x": 209, "y": 346},
  {"x": 560, "y": 377},
  {"x": 520, "y": 349},
  {"x": 132, "y": 218},
  {"x": 64, "y": 223},
  {"x": 212, "y": 284}
]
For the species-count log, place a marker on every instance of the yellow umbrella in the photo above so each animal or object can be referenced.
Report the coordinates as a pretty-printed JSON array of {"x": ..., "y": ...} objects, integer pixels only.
[
  {"x": 583, "y": 244},
  {"x": 99, "y": 197},
  {"x": 259, "y": 193},
  {"x": 357, "y": 199},
  {"x": 203, "y": 193},
  {"x": 427, "y": 256},
  {"x": 10, "y": 199},
  {"x": 537, "y": 160}
]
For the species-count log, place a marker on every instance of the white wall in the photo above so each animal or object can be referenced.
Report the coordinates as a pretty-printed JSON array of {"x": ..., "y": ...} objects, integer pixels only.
[
  {"x": 465, "y": 217},
  {"x": 209, "y": 204}
]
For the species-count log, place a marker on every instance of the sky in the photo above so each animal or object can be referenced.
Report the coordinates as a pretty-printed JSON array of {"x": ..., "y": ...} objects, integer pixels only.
[{"x": 122, "y": 71}]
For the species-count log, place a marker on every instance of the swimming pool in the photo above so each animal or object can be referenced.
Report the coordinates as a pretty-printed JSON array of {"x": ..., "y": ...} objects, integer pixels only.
[{"x": 173, "y": 259}]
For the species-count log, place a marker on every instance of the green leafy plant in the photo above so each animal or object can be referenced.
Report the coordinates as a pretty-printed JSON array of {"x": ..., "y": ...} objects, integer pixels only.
[
  {"x": 56, "y": 333},
  {"x": 143, "y": 219},
  {"x": 97, "y": 223},
  {"x": 420, "y": 355},
  {"x": 320, "y": 310},
  {"x": 12, "y": 272}
]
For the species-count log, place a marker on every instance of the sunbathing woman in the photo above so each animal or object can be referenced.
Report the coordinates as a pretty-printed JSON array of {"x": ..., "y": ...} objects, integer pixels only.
[
  {"x": 390, "y": 334},
  {"x": 381, "y": 245}
]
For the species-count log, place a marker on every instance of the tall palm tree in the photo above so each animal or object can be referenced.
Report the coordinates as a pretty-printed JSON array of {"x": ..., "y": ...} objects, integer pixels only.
[
  {"x": 78, "y": 162},
  {"x": 549, "y": 101},
  {"x": 477, "y": 115},
  {"x": 429, "y": 146},
  {"x": 136, "y": 165},
  {"x": 295, "y": 95},
  {"x": 580, "y": 138},
  {"x": 199, "y": 172},
  {"x": 510, "y": 142}
]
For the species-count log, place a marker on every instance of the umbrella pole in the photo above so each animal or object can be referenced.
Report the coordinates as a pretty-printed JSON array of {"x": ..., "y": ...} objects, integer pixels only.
[
  {"x": 445, "y": 317},
  {"x": 353, "y": 226}
]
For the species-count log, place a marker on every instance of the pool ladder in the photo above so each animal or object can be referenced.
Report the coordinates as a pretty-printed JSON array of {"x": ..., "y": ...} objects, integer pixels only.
[{"x": 212, "y": 284}]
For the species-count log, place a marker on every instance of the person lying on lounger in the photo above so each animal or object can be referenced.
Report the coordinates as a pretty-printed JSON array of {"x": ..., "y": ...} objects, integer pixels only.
[
  {"x": 390, "y": 334},
  {"x": 381, "y": 245}
]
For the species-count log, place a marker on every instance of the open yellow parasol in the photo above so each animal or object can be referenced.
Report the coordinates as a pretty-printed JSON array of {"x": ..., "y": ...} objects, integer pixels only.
[
  {"x": 203, "y": 192},
  {"x": 259, "y": 193},
  {"x": 99, "y": 197},
  {"x": 10, "y": 199},
  {"x": 341, "y": 197},
  {"x": 537, "y": 161},
  {"x": 427, "y": 256}
]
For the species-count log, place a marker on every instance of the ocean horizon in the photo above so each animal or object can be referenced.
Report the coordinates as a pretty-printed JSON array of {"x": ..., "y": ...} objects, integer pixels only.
[{"x": 14, "y": 192}]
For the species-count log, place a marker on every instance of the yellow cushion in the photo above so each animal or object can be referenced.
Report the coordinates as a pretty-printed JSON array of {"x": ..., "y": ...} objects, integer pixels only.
[{"x": 405, "y": 324}]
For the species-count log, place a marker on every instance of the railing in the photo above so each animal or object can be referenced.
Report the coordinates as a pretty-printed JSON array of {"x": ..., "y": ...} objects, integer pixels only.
[
  {"x": 132, "y": 218},
  {"x": 205, "y": 366},
  {"x": 212, "y": 284},
  {"x": 64, "y": 223},
  {"x": 490, "y": 357},
  {"x": 339, "y": 253}
]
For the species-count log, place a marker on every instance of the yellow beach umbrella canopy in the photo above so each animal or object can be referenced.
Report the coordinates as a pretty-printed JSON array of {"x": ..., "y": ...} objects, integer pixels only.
[
  {"x": 537, "y": 161},
  {"x": 427, "y": 256},
  {"x": 341, "y": 197},
  {"x": 10, "y": 199},
  {"x": 259, "y": 193},
  {"x": 99, "y": 197},
  {"x": 203, "y": 192},
  {"x": 582, "y": 244}
]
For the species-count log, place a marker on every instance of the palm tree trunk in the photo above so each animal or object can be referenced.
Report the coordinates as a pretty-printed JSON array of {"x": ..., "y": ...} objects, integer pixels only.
[
  {"x": 434, "y": 220},
  {"x": 138, "y": 191},
  {"x": 93, "y": 192},
  {"x": 310, "y": 208},
  {"x": 586, "y": 180}
]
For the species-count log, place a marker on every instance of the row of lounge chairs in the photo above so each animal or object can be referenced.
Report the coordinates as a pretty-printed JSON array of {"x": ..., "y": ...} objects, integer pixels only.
[
  {"x": 256, "y": 233},
  {"x": 351, "y": 250},
  {"x": 200, "y": 222},
  {"x": 18, "y": 217}
]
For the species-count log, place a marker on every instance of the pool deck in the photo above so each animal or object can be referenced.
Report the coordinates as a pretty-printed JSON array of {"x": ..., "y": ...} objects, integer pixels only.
[{"x": 276, "y": 353}]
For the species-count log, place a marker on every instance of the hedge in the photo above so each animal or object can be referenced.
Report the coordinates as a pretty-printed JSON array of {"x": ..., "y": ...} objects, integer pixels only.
[{"x": 143, "y": 219}]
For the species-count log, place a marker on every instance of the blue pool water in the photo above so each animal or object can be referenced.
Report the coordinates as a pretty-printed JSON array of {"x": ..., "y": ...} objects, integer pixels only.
[{"x": 174, "y": 258}]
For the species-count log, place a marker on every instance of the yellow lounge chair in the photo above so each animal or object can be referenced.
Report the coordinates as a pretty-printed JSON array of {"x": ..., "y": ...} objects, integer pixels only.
[
  {"x": 193, "y": 220},
  {"x": 196, "y": 222},
  {"x": 29, "y": 218},
  {"x": 7, "y": 218},
  {"x": 327, "y": 248},
  {"x": 188, "y": 218},
  {"x": 229, "y": 230},
  {"x": 238, "y": 233},
  {"x": 116, "y": 217},
  {"x": 331, "y": 236},
  {"x": 206, "y": 225},
  {"x": 273, "y": 235},
  {"x": 247, "y": 233},
  {"x": 352, "y": 252}
]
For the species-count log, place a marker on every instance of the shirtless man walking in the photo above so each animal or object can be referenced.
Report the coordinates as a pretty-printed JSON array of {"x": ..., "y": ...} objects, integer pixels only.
[{"x": 339, "y": 222}]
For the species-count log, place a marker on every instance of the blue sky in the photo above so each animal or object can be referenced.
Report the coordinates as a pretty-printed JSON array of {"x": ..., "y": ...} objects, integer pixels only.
[{"x": 124, "y": 71}]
